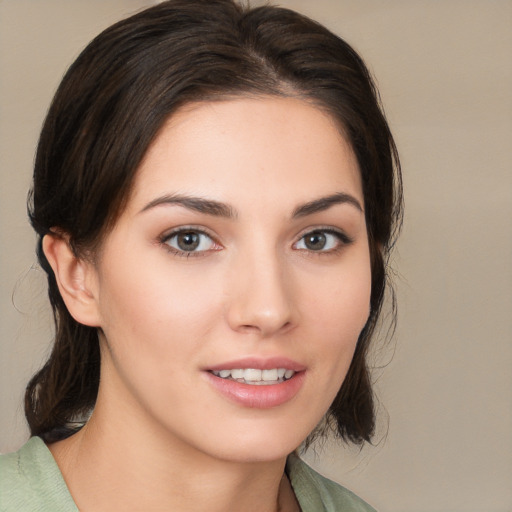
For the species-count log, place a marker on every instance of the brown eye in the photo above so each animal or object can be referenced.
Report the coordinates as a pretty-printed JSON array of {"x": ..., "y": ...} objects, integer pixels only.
[
  {"x": 315, "y": 241},
  {"x": 188, "y": 241},
  {"x": 322, "y": 240}
]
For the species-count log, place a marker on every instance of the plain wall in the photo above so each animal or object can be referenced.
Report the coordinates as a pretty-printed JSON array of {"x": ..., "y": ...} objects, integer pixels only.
[{"x": 445, "y": 76}]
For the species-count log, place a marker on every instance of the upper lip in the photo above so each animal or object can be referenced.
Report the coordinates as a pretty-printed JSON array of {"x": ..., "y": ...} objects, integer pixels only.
[{"x": 259, "y": 363}]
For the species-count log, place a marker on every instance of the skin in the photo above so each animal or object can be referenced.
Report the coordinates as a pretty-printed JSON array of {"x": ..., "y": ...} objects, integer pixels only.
[{"x": 161, "y": 433}]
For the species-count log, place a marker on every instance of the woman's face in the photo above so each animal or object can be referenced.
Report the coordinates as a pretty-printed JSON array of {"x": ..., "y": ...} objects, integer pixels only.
[{"x": 233, "y": 288}]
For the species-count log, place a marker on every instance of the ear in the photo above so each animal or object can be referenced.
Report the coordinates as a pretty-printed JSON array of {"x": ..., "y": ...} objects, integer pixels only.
[{"x": 76, "y": 278}]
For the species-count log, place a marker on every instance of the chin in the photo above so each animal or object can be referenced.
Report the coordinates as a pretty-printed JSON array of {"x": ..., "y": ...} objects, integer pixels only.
[{"x": 259, "y": 443}]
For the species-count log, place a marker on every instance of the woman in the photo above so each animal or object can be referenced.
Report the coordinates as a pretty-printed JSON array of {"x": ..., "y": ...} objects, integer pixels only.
[{"x": 216, "y": 191}]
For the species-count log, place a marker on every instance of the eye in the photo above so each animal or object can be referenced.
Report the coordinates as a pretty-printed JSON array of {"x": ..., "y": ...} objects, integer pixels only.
[
  {"x": 322, "y": 240},
  {"x": 187, "y": 241}
]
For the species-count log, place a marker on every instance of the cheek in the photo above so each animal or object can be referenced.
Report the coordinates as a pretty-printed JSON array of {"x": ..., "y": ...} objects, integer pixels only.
[
  {"x": 342, "y": 299},
  {"x": 338, "y": 315},
  {"x": 155, "y": 325},
  {"x": 155, "y": 308}
]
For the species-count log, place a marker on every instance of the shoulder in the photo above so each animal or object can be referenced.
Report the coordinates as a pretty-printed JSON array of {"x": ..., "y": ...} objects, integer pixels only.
[
  {"x": 31, "y": 480},
  {"x": 316, "y": 493}
]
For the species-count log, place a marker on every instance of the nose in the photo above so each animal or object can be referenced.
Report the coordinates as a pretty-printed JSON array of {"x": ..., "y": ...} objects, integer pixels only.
[{"x": 261, "y": 296}]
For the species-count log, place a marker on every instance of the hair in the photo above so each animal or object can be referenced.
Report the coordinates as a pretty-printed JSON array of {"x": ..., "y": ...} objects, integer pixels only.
[{"x": 110, "y": 106}]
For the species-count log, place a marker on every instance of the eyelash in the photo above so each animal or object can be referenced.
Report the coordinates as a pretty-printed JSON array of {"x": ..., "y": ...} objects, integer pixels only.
[
  {"x": 343, "y": 240},
  {"x": 167, "y": 237}
]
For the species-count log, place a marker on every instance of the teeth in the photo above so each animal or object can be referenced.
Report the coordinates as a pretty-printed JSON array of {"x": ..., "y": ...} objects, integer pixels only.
[
  {"x": 288, "y": 374},
  {"x": 255, "y": 376},
  {"x": 236, "y": 374},
  {"x": 252, "y": 375},
  {"x": 269, "y": 374}
]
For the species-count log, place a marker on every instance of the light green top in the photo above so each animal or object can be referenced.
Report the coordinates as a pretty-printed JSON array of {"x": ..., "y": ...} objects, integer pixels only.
[{"x": 30, "y": 480}]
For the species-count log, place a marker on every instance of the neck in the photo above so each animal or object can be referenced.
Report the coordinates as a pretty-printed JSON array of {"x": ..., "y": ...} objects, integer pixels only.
[{"x": 108, "y": 466}]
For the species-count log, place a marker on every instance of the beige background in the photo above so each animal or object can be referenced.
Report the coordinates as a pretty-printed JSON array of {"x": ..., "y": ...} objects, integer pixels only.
[{"x": 445, "y": 74}]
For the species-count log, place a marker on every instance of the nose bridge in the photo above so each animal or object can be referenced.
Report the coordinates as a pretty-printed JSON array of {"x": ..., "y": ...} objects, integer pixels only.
[{"x": 261, "y": 297}]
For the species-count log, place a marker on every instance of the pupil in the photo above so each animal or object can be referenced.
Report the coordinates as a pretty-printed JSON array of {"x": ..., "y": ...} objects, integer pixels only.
[
  {"x": 315, "y": 241},
  {"x": 188, "y": 241}
]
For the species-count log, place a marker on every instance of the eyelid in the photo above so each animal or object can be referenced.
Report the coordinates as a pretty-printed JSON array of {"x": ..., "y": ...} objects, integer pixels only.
[
  {"x": 201, "y": 230},
  {"x": 343, "y": 238},
  {"x": 186, "y": 227}
]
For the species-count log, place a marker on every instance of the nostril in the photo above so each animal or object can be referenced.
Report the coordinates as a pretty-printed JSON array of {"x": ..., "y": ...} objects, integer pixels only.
[
  {"x": 266, "y": 306},
  {"x": 266, "y": 329},
  {"x": 249, "y": 328}
]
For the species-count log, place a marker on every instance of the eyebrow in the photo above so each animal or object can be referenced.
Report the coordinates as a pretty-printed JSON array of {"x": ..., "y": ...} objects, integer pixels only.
[
  {"x": 219, "y": 209},
  {"x": 198, "y": 204},
  {"x": 323, "y": 203}
]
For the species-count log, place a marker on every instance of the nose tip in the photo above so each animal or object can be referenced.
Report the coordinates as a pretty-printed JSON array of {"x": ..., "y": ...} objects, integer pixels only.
[
  {"x": 266, "y": 323},
  {"x": 262, "y": 302}
]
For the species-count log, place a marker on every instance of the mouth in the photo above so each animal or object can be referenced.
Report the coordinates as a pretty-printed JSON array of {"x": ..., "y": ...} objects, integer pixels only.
[
  {"x": 257, "y": 383},
  {"x": 255, "y": 376}
]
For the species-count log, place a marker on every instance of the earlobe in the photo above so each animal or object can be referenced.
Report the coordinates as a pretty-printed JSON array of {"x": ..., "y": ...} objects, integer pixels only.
[{"x": 76, "y": 278}]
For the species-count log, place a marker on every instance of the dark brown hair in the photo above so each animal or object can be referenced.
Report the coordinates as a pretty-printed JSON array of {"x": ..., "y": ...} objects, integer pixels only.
[{"x": 109, "y": 108}]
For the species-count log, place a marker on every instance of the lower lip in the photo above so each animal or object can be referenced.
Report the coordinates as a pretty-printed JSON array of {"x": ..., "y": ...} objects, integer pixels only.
[{"x": 257, "y": 397}]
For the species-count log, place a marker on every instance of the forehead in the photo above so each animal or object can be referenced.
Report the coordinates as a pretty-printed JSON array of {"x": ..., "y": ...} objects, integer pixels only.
[{"x": 278, "y": 148}]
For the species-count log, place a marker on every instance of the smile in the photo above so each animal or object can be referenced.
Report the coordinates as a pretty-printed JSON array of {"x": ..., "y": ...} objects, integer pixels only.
[{"x": 256, "y": 377}]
